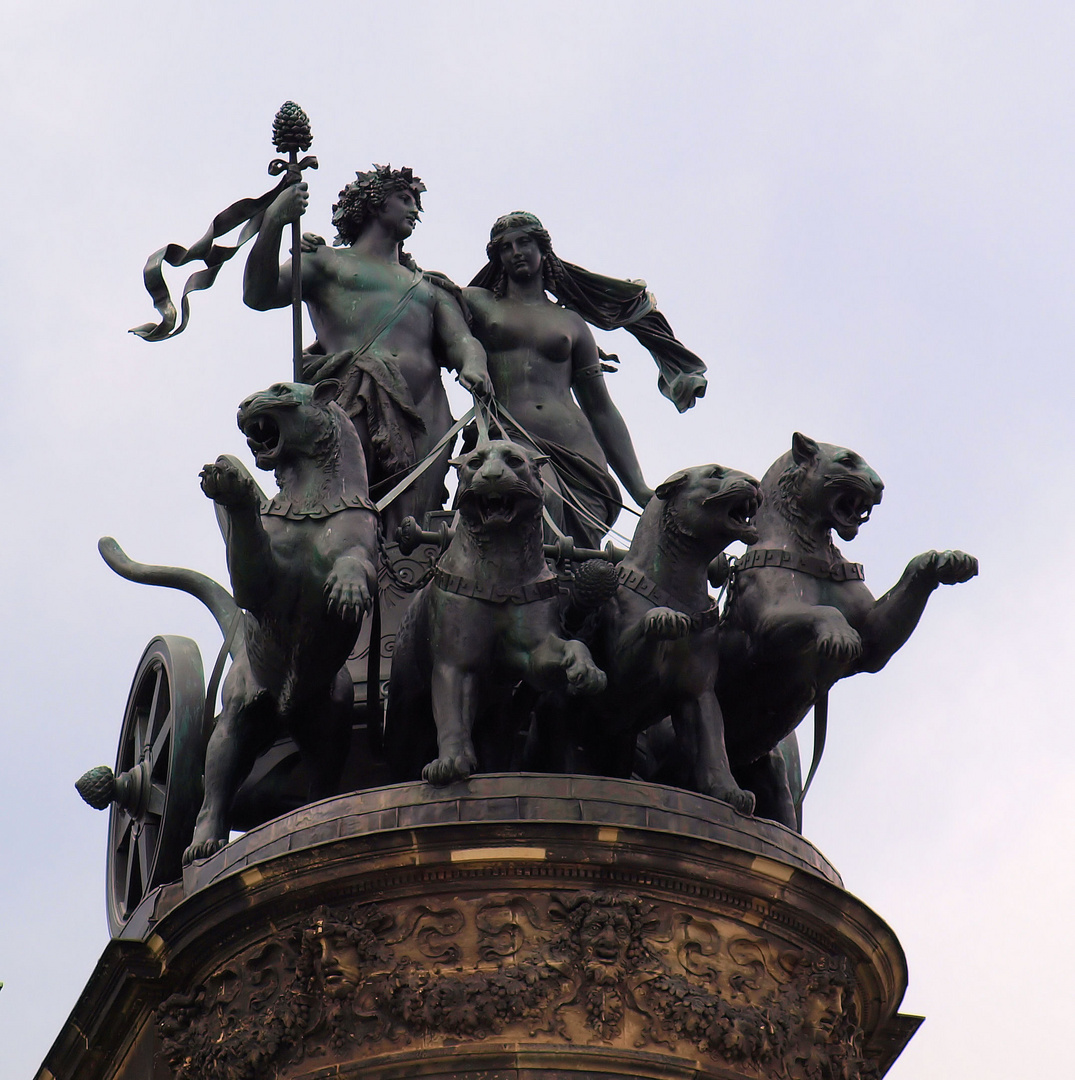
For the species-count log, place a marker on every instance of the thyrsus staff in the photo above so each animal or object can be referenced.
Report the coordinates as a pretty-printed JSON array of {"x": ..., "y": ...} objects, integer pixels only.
[
  {"x": 246, "y": 213},
  {"x": 290, "y": 134}
]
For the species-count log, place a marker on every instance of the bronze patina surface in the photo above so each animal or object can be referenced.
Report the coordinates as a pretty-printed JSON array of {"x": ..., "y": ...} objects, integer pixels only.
[{"x": 384, "y": 330}]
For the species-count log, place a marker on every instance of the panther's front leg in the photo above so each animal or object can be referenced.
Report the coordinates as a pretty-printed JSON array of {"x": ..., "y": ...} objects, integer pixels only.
[
  {"x": 699, "y": 726},
  {"x": 893, "y": 618},
  {"x": 455, "y": 705},
  {"x": 556, "y": 662},
  {"x": 250, "y": 561},
  {"x": 246, "y": 727}
]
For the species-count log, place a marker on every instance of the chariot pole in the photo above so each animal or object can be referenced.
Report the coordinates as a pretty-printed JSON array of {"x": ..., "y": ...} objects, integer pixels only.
[{"x": 291, "y": 134}]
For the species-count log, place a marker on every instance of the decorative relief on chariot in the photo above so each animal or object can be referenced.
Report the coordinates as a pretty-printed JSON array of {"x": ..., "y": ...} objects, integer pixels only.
[{"x": 592, "y": 968}]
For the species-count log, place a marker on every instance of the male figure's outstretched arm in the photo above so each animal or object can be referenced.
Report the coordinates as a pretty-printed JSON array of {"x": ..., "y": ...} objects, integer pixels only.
[
  {"x": 267, "y": 284},
  {"x": 462, "y": 350}
]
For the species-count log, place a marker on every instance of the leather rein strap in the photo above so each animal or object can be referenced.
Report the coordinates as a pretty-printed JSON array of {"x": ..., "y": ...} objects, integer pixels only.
[
  {"x": 842, "y": 570},
  {"x": 757, "y": 558}
]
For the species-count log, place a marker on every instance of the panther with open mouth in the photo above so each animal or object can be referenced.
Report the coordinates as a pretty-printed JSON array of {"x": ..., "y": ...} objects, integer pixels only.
[
  {"x": 657, "y": 638},
  {"x": 303, "y": 573},
  {"x": 799, "y": 617},
  {"x": 489, "y": 620}
]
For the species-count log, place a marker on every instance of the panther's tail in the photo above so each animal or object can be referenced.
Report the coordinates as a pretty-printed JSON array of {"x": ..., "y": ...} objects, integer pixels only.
[{"x": 213, "y": 595}]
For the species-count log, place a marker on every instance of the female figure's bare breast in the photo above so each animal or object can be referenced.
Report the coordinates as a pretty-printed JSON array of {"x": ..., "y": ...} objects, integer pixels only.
[{"x": 532, "y": 352}]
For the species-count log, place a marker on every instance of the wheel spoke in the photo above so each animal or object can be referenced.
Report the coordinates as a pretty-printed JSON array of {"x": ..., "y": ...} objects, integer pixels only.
[
  {"x": 145, "y": 861},
  {"x": 130, "y": 873},
  {"x": 123, "y": 827},
  {"x": 164, "y": 732},
  {"x": 156, "y": 799},
  {"x": 159, "y": 700}
]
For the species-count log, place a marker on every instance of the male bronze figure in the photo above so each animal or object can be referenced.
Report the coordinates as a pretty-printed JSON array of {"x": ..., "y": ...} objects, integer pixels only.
[{"x": 384, "y": 329}]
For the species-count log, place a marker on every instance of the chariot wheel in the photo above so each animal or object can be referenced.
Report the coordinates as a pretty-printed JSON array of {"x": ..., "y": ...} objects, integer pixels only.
[{"x": 156, "y": 790}]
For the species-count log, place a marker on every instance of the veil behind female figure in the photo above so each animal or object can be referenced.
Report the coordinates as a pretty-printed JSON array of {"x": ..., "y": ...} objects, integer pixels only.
[{"x": 576, "y": 445}]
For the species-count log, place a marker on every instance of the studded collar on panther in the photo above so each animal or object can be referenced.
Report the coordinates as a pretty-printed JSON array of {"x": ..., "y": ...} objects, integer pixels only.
[
  {"x": 649, "y": 590},
  {"x": 521, "y": 594},
  {"x": 280, "y": 507},
  {"x": 840, "y": 570}
]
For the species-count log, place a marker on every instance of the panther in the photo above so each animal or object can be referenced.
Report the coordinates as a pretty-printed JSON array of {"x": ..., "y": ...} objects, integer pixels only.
[
  {"x": 657, "y": 638},
  {"x": 489, "y": 619},
  {"x": 303, "y": 573},
  {"x": 799, "y": 617}
]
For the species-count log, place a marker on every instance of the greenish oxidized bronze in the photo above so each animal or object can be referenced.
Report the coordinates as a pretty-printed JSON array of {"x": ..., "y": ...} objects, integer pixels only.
[
  {"x": 303, "y": 572},
  {"x": 657, "y": 639},
  {"x": 553, "y": 925},
  {"x": 384, "y": 329},
  {"x": 548, "y": 382}
]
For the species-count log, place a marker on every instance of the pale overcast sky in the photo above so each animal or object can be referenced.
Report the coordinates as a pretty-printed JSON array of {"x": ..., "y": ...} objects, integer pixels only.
[{"x": 860, "y": 215}]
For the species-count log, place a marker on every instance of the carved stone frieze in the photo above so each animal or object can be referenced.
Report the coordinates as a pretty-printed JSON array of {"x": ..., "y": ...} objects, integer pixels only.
[{"x": 585, "y": 968}]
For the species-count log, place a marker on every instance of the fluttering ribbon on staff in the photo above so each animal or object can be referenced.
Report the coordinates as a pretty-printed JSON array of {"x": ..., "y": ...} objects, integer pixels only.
[{"x": 245, "y": 212}]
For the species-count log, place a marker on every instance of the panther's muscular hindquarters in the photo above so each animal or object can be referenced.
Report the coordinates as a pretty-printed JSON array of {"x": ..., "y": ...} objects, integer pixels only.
[
  {"x": 489, "y": 620},
  {"x": 799, "y": 617},
  {"x": 657, "y": 637},
  {"x": 302, "y": 572}
]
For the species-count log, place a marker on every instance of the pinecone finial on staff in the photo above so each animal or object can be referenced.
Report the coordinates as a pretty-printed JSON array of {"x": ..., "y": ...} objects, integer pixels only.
[{"x": 291, "y": 129}]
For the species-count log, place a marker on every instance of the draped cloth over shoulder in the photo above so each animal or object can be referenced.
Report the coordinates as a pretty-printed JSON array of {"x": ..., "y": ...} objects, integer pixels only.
[
  {"x": 610, "y": 303},
  {"x": 372, "y": 386}
]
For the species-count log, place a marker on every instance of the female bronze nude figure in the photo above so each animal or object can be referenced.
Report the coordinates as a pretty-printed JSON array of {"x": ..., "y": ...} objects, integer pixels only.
[{"x": 547, "y": 373}]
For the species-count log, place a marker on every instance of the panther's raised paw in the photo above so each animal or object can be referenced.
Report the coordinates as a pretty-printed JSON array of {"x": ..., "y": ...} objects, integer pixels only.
[
  {"x": 348, "y": 588},
  {"x": 955, "y": 567},
  {"x": 225, "y": 484},
  {"x": 202, "y": 850},
  {"x": 839, "y": 642},
  {"x": 449, "y": 769}
]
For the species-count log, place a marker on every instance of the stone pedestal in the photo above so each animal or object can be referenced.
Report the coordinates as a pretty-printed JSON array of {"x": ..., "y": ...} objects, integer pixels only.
[{"x": 517, "y": 926}]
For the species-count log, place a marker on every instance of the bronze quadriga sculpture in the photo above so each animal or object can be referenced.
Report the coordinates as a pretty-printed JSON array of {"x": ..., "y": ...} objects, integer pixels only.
[{"x": 566, "y": 921}]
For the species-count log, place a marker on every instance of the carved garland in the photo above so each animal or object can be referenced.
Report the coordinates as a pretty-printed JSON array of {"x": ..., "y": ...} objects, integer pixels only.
[{"x": 586, "y": 967}]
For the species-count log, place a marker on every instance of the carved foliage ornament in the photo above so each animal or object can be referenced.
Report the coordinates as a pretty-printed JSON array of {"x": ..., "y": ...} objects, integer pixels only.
[{"x": 590, "y": 968}]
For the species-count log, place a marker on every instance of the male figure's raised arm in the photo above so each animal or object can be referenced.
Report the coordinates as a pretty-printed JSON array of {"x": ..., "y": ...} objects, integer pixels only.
[
  {"x": 463, "y": 351},
  {"x": 267, "y": 284}
]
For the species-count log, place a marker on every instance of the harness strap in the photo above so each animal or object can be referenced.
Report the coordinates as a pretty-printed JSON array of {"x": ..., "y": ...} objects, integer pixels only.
[
  {"x": 841, "y": 570},
  {"x": 374, "y": 704},
  {"x": 565, "y": 495},
  {"x": 421, "y": 467},
  {"x": 521, "y": 594},
  {"x": 209, "y": 709},
  {"x": 649, "y": 590},
  {"x": 821, "y": 723}
]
